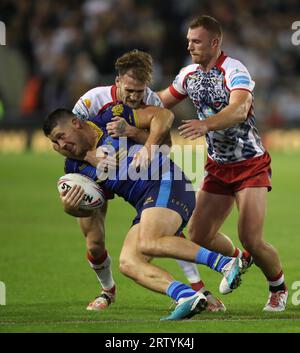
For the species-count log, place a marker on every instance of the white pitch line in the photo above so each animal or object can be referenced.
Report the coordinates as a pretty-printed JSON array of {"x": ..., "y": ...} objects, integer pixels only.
[{"x": 13, "y": 323}]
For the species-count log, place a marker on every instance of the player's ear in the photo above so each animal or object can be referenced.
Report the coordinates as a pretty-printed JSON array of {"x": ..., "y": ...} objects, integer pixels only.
[
  {"x": 117, "y": 81},
  {"x": 215, "y": 42},
  {"x": 76, "y": 123}
]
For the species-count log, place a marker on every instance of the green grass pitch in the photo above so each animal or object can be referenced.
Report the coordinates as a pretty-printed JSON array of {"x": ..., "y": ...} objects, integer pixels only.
[{"x": 49, "y": 283}]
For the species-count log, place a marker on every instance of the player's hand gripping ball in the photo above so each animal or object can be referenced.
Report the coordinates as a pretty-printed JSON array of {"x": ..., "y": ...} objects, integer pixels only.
[{"x": 93, "y": 194}]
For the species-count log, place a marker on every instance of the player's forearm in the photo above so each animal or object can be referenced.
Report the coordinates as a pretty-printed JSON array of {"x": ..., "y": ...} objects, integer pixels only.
[
  {"x": 160, "y": 127},
  {"x": 231, "y": 115},
  {"x": 167, "y": 99},
  {"x": 78, "y": 213},
  {"x": 168, "y": 140},
  {"x": 138, "y": 135}
]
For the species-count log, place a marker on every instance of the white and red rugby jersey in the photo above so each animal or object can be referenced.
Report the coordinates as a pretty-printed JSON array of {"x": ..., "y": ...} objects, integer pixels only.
[
  {"x": 98, "y": 99},
  {"x": 210, "y": 92}
]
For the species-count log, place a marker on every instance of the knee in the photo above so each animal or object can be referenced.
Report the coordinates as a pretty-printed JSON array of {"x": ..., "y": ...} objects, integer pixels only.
[
  {"x": 149, "y": 247},
  {"x": 127, "y": 267},
  {"x": 192, "y": 232},
  {"x": 95, "y": 243},
  {"x": 96, "y": 249},
  {"x": 200, "y": 237},
  {"x": 253, "y": 246}
]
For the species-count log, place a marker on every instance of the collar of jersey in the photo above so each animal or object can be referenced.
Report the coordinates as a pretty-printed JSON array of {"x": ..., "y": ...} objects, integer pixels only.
[
  {"x": 220, "y": 60},
  {"x": 97, "y": 129}
]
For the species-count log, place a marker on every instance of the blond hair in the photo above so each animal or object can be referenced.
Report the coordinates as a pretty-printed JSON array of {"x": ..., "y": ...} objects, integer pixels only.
[{"x": 137, "y": 64}]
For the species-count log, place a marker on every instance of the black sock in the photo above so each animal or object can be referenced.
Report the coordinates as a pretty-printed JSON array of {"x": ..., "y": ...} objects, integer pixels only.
[{"x": 274, "y": 289}]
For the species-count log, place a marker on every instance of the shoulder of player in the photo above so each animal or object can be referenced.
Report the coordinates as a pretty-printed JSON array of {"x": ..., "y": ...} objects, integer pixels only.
[
  {"x": 189, "y": 69},
  {"x": 236, "y": 75},
  {"x": 178, "y": 86},
  {"x": 147, "y": 111},
  {"x": 148, "y": 94},
  {"x": 151, "y": 98},
  {"x": 230, "y": 64},
  {"x": 180, "y": 80},
  {"x": 148, "y": 108},
  {"x": 101, "y": 93},
  {"x": 94, "y": 101}
]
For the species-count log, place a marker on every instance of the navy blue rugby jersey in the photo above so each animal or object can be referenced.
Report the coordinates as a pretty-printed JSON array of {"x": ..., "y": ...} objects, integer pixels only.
[{"x": 125, "y": 181}]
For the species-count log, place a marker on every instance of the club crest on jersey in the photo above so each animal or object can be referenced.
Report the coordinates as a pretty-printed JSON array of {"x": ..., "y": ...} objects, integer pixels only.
[{"x": 117, "y": 110}]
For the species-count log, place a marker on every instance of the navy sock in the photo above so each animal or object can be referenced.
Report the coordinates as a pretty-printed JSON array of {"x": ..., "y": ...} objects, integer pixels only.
[
  {"x": 178, "y": 290},
  {"x": 211, "y": 259}
]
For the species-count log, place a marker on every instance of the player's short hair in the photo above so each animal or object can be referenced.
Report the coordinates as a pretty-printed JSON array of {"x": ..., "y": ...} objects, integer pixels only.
[
  {"x": 54, "y": 117},
  {"x": 138, "y": 63},
  {"x": 209, "y": 23}
]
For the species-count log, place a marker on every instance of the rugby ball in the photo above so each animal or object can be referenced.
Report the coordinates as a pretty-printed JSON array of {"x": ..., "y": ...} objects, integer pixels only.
[{"x": 93, "y": 194}]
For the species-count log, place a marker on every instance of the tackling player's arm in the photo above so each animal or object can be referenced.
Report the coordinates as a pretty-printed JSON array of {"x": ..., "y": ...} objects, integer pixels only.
[
  {"x": 236, "y": 112},
  {"x": 159, "y": 122},
  {"x": 119, "y": 127},
  {"x": 169, "y": 101},
  {"x": 167, "y": 98}
]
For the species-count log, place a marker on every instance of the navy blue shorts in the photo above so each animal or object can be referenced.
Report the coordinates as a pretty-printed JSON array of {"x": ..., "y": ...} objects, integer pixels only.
[{"x": 177, "y": 195}]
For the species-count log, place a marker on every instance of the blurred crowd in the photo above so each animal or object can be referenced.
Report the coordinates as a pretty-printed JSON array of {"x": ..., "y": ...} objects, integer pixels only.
[{"x": 56, "y": 50}]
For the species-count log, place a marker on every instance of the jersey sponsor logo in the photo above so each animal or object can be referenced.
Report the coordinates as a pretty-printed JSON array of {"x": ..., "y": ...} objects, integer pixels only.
[
  {"x": 81, "y": 110},
  {"x": 87, "y": 103},
  {"x": 237, "y": 71}
]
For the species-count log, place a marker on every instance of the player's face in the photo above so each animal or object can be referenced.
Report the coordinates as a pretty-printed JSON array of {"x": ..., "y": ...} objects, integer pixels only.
[
  {"x": 202, "y": 45},
  {"x": 130, "y": 91},
  {"x": 68, "y": 140}
]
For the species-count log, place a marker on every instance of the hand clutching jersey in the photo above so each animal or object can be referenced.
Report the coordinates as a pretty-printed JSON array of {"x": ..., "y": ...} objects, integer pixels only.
[{"x": 163, "y": 184}]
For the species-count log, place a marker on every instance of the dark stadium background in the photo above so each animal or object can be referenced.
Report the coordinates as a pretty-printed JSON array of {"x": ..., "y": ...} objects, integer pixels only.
[{"x": 56, "y": 50}]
